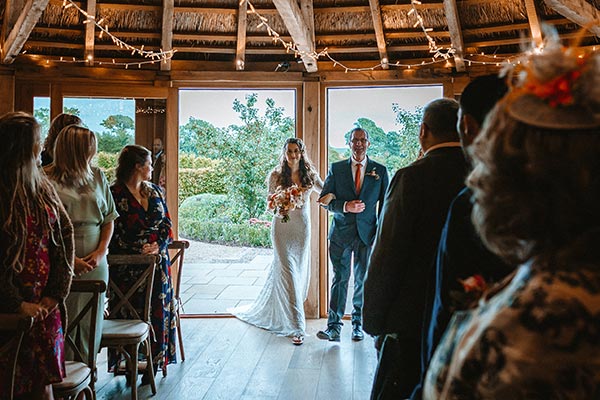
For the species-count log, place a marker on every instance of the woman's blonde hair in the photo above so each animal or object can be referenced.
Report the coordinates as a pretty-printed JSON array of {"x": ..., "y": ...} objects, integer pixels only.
[
  {"x": 57, "y": 125},
  {"x": 74, "y": 148}
]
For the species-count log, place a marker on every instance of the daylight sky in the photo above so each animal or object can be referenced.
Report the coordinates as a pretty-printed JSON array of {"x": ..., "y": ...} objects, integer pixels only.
[{"x": 346, "y": 105}]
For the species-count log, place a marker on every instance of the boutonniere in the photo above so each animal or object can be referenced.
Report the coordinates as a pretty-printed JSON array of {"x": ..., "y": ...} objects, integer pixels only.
[
  {"x": 473, "y": 288},
  {"x": 373, "y": 173}
]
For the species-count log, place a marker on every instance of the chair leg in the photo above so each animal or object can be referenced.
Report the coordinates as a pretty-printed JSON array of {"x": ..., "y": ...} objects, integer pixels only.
[
  {"x": 180, "y": 337},
  {"x": 150, "y": 365},
  {"x": 133, "y": 370}
]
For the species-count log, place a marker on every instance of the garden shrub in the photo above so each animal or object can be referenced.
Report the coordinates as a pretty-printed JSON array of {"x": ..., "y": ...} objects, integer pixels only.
[{"x": 214, "y": 218}]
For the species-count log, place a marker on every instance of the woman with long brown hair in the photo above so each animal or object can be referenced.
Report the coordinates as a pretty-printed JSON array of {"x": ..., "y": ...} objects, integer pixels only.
[
  {"x": 36, "y": 258},
  {"x": 279, "y": 307}
]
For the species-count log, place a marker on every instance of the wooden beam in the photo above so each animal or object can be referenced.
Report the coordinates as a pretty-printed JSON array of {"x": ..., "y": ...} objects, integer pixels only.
[
  {"x": 578, "y": 11},
  {"x": 455, "y": 33},
  {"x": 20, "y": 32},
  {"x": 309, "y": 17},
  {"x": 240, "y": 49},
  {"x": 378, "y": 27},
  {"x": 534, "y": 22},
  {"x": 298, "y": 29},
  {"x": 90, "y": 30},
  {"x": 166, "y": 41}
]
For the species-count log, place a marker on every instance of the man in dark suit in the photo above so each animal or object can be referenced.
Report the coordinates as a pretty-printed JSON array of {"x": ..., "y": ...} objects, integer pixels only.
[
  {"x": 414, "y": 211},
  {"x": 353, "y": 189},
  {"x": 461, "y": 253}
]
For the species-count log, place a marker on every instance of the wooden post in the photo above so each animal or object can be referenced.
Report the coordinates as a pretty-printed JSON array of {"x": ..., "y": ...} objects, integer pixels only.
[
  {"x": 172, "y": 156},
  {"x": 311, "y": 133}
]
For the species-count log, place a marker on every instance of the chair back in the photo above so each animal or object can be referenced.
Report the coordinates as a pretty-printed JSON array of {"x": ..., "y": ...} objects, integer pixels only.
[
  {"x": 122, "y": 300},
  {"x": 89, "y": 311},
  {"x": 177, "y": 253},
  {"x": 18, "y": 324}
]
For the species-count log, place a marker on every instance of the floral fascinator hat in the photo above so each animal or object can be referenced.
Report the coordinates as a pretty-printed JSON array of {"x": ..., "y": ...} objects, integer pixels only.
[{"x": 556, "y": 88}]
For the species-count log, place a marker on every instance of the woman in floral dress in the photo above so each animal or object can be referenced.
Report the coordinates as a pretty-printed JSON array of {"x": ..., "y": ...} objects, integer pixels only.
[
  {"x": 36, "y": 249},
  {"x": 144, "y": 227},
  {"x": 536, "y": 191}
]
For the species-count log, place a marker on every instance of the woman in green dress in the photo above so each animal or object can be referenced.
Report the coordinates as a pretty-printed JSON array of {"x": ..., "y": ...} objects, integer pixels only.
[{"x": 85, "y": 193}]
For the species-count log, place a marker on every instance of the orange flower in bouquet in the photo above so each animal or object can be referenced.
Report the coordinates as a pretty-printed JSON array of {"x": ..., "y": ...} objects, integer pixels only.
[{"x": 283, "y": 200}]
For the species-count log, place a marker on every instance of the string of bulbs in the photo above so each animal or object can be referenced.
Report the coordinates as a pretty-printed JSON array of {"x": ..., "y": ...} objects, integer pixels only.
[
  {"x": 150, "y": 56},
  {"x": 439, "y": 54}
]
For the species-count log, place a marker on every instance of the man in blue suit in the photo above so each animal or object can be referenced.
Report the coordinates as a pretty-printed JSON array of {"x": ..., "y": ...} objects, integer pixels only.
[{"x": 354, "y": 191}]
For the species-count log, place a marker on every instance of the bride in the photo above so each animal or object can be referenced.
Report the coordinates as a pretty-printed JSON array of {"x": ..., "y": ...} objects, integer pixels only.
[{"x": 279, "y": 307}]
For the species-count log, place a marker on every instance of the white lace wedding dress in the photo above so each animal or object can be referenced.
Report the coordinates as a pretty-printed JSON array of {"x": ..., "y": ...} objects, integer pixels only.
[{"x": 279, "y": 307}]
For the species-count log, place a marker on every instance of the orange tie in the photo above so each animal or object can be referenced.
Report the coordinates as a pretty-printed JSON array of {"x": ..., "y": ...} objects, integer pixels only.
[{"x": 357, "y": 178}]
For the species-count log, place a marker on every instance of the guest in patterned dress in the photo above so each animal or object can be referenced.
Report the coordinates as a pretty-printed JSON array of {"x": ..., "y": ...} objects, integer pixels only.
[
  {"x": 536, "y": 191},
  {"x": 58, "y": 123},
  {"x": 36, "y": 253},
  {"x": 144, "y": 227},
  {"x": 85, "y": 194}
]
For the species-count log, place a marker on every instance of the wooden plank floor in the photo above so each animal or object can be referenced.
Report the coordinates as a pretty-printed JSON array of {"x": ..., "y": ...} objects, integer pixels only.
[{"x": 228, "y": 359}]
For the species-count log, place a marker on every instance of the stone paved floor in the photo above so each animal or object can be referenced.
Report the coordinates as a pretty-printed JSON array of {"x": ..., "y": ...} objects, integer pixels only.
[{"x": 217, "y": 277}]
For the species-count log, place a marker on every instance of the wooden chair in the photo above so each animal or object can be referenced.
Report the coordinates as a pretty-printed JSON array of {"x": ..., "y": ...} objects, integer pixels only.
[
  {"x": 126, "y": 335},
  {"x": 81, "y": 374},
  {"x": 176, "y": 254},
  {"x": 18, "y": 324}
]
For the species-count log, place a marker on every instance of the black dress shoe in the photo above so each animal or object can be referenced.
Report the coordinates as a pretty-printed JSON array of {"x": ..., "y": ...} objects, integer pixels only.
[
  {"x": 329, "y": 334},
  {"x": 357, "y": 333}
]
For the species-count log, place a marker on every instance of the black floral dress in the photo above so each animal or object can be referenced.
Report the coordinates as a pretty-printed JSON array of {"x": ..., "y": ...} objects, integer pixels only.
[
  {"x": 133, "y": 228},
  {"x": 537, "y": 338}
]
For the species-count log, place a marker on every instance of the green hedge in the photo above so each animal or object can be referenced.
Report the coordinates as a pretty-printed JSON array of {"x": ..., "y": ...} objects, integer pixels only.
[
  {"x": 213, "y": 218},
  {"x": 201, "y": 180}
]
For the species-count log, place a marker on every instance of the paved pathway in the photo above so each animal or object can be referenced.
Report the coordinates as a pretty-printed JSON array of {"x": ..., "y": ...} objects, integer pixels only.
[{"x": 218, "y": 277}]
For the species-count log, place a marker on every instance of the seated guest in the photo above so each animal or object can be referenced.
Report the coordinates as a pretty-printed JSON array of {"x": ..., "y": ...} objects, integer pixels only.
[
  {"x": 36, "y": 259},
  {"x": 57, "y": 124},
  {"x": 86, "y": 196},
  {"x": 535, "y": 189},
  {"x": 144, "y": 227}
]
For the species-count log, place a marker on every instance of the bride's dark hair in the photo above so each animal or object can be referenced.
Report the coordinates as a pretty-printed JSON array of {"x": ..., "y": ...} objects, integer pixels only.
[{"x": 307, "y": 171}]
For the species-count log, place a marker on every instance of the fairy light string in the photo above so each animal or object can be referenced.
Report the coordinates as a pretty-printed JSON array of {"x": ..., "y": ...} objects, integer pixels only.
[
  {"x": 439, "y": 54},
  {"x": 151, "y": 57}
]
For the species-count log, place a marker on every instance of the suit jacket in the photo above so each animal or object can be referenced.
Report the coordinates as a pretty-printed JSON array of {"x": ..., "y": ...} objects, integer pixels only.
[
  {"x": 347, "y": 226},
  {"x": 461, "y": 254},
  {"x": 407, "y": 238}
]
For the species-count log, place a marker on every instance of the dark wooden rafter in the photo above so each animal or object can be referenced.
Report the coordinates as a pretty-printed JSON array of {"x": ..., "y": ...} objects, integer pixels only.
[
  {"x": 90, "y": 30},
  {"x": 298, "y": 29},
  {"x": 578, "y": 11},
  {"x": 166, "y": 40},
  {"x": 534, "y": 22},
  {"x": 30, "y": 14},
  {"x": 455, "y": 33},
  {"x": 240, "y": 51},
  {"x": 378, "y": 27}
]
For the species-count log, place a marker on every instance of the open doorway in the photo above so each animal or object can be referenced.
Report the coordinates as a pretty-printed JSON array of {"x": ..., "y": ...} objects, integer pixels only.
[
  {"x": 229, "y": 140},
  {"x": 391, "y": 115}
]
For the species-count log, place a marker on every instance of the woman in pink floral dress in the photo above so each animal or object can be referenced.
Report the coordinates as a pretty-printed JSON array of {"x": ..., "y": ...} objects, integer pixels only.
[{"x": 36, "y": 249}]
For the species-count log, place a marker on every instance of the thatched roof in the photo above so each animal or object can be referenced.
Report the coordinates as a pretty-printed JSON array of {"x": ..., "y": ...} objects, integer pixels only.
[{"x": 355, "y": 32}]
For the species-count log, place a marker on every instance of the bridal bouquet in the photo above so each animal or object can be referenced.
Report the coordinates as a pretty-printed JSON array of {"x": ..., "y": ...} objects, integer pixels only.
[{"x": 284, "y": 200}]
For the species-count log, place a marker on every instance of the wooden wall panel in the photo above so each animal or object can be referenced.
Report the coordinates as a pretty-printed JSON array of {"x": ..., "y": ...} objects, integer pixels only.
[{"x": 7, "y": 90}]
